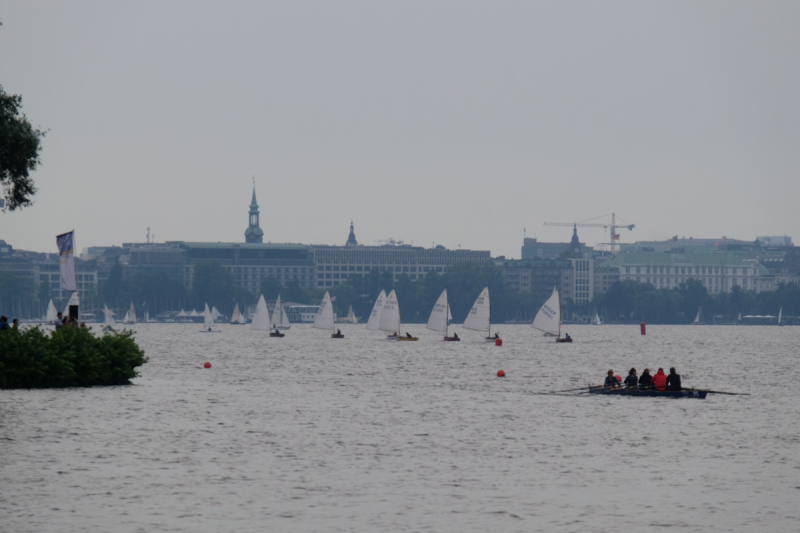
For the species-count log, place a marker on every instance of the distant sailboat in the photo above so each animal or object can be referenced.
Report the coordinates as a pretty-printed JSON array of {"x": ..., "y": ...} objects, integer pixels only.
[
  {"x": 596, "y": 319},
  {"x": 440, "y": 317},
  {"x": 350, "y": 318},
  {"x": 740, "y": 316},
  {"x": 279, "y": 318},
  {"x": 390, "y": 319},
  {"x": 130, "y": 316},
  {"x": 237, "y": 317},
  {"x": 109, "y": 315},
  {"x": 697, "y": 318},
  {"x": 548, "y": 319},
  {"x": 261, "y": 319},
  {"x": 215, "y": 314},
  {"x": 480, "y": 316},
  {"x": 325, "y": 318},
  {"x": 208, "y": 321},
  {"x": 52, "y": 314},
  {"x": 374, "y": 322},
  {"x": 780, "y": 316}
]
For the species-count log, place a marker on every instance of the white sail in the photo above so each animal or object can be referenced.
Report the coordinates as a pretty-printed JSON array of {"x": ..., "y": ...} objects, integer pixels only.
[
  {"x": 52, "y": 314},
  {"x": 740, "y": 316},
  {"x": 438, "y": 319},
  {"x": 285, "y": 324},
  {"x": 697, "y": 318},
  {"x": 480, "y": 316},
  {"x": 130, "y": 316},
  {"x": 208, "y": 318},
  {"x": 279, "y": 318},
  {"x": 236, "y": 315},
  {"x": 109, "y": 315},
  {"x": 390, "y": 314},
  {"x": 261, "y": 317},
  {"x": 548, "y": 319},
  {"x": 324, "y": 318},
  {"x": 215, "y": 314},
  {"x": 596, "y": 320},
  {"x": 780, "y": 314},
  {"x": 351, "y": 316},
  {"x": 374, "y": 321}
]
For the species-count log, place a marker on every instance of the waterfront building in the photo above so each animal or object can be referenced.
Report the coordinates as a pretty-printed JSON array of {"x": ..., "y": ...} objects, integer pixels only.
[
  {"x": 533, "y": 249},
  {"x": 573, "y": 277},
  {"x": 604, "y": 278},
  {"x": 719, "y": 272}
]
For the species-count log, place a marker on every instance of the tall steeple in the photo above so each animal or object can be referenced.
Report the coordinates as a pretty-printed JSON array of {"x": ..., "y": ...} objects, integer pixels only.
[
  {"x": 351, "y": 239},
  {"x": 253, "y": 233}
]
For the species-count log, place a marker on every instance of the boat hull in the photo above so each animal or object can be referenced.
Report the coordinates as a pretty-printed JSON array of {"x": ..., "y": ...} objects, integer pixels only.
[
  {"x": 563, "y": 340},
  {"x": 276, "y": 335},
  {"x": 337, "y": 336},
  {"x": 650, "y": 393},
  {"x": 408, "y": 338},
  {"x": 452, "y": 339}
]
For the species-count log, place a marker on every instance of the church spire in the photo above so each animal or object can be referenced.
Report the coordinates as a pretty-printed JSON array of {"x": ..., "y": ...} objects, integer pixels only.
[
  {"x": 351, "y": 239},
  {"x": 253, "y": 233}
]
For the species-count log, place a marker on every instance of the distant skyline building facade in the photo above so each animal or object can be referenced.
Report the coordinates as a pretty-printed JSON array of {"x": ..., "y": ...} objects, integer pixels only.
[{"x": 533, "y": 249}]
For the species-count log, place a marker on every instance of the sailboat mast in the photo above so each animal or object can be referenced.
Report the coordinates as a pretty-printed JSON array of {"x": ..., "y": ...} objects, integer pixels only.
[{"x": 447, "y": 320}]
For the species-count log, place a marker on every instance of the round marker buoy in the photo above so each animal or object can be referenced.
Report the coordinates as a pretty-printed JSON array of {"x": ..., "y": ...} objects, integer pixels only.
[
  {"x": 501, "y": 374},
  {"x": 207, "y": 365}
]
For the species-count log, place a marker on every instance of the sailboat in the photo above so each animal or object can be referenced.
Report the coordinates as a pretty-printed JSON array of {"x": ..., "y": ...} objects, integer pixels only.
[
  {"x": 697, "y": 318},
  {"x": 215, "y": 314},
  {"x": 480, "y": 316},
  {"x": 208, "y": 321},
  {"x": 237, "y": 317},
  {"x": 390, "y": 319},
  {"x": 324, "y": 318},
  {"x": 130, "y": 316},
  {"x": 548, "y": 319},
  {"x": 596, "y": 319},
  {"x": 780, "y": 316},
  {"x": 261, "y": 317},
  {"x": 52, "y": 314},
  {"x": 374, "y": 321},
  {"x": 740, "y": 316},
  {"x": 279, "y": 317},
  {"x": 109, "y": 315},
  {"x": 440, "y": 317},
  {"x": 350, "y": 318}
]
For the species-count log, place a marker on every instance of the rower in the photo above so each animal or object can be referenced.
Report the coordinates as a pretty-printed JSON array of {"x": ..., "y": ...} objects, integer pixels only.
[
  {"x": 632, "y": 380},
  {"x": 673, "y": 380},
  {"x": 646, "y": 380},
  {"x": 611, "y": 381},
  {"x": 660, "y": 380}
]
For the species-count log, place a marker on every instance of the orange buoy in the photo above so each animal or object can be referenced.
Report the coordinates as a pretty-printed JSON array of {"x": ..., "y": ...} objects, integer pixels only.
[
  {"x": 618, "y": 378},
  {"x": 501, "y": 374},
  {"x": 643, "y": 327},
  {"x": 498, "y": 342},
  {"x": 207, "y": 365}
]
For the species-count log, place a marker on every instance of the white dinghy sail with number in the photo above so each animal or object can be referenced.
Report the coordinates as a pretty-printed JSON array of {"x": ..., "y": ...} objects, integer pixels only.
[
  {"x": 480, "y": 316},
  {"x": 325, "y": 318},
  {"x": 261, "y": 317},
  {"x": 548, "y": 319}
]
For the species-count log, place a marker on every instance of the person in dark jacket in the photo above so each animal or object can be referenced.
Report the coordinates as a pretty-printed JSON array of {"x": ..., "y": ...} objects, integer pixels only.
[
  {"x": 611, "y": 381},
  {"x": 673, "y": 380},
  {"x": 646, "y": 380},
  {"x": 632, "y": 380}
]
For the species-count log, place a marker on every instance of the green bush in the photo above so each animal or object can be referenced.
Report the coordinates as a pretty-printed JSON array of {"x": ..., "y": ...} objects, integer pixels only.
[{"x": 69, "y": 357}]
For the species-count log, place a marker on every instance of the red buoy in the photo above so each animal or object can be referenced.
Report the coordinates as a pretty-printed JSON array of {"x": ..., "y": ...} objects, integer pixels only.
[
  {"x": 501, "y": 374},
  {"x": 643, "y": 328},
  {"x": 498, "y": 342},
  {"x": 618, "y": 378},
  {"x": 207, "y": 365}
]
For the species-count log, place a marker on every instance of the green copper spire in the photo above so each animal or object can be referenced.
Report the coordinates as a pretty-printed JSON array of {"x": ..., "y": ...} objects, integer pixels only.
[{"x": 254, "y": 233}]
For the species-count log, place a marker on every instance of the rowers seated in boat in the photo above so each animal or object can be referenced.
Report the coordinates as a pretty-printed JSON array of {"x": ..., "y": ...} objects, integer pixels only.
[
  {"x": 632, "y": 380},
  {"x": 646, "y": 381},
  {"x": 660, "y": 380},
  {"x": 674, "y": 380},
  {"x": 408, "y": 335},
  {"x": 611, "y": 380}
]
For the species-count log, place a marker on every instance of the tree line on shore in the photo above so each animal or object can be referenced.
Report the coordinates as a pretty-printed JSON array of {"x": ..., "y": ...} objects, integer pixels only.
[{"x": 626, "y": 301}]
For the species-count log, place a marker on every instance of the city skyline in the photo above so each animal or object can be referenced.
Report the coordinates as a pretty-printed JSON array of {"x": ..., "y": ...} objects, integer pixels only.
[{"x": 453, "y": 124}]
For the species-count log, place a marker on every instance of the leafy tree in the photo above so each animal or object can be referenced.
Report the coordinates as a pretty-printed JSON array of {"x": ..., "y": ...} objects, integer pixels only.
[
  {"x": 213, "y": 284},
  {"x": 271, "y": 287},
  {"x": 20, "y": 146}
]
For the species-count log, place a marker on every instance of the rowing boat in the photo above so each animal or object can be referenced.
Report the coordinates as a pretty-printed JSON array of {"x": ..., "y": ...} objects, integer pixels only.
[{"x": 650, "y": 393}]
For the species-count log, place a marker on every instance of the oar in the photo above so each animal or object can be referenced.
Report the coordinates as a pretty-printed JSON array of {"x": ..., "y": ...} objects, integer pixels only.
[
  {"x": 560, "y": 391},
  {"x": 723, "y": 392}
]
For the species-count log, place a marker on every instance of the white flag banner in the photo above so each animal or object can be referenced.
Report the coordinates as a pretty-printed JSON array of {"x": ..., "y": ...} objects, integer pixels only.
[{"x": 67, "y": 261}]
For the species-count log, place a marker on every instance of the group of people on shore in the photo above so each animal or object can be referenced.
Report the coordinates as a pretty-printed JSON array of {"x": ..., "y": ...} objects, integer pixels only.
[
  {"x": 60, "y": 322},
  {"x": 4, "y": 323},
  {"x": 660, "y": 381}
]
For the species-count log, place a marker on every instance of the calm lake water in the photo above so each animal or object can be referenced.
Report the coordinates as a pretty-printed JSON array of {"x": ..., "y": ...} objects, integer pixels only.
[{"x": 307, "y": 433}]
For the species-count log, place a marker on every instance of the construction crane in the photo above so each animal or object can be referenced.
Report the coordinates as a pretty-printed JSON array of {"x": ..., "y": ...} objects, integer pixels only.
[{"x": 613, "y": 225}]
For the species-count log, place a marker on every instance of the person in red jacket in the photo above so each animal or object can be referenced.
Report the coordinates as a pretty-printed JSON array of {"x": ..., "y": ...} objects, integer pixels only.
[{"x": 660, "y": 380}]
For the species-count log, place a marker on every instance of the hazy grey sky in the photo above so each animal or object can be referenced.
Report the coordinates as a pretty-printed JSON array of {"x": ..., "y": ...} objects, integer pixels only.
[{"x": 459, "y": 123}]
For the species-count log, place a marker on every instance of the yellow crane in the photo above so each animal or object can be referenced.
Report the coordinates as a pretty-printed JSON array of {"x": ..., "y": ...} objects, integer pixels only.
[{"x": 586, "y": 224}]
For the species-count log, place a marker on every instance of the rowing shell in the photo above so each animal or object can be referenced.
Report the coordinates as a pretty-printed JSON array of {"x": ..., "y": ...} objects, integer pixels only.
[{"x": 650, "y": 393}]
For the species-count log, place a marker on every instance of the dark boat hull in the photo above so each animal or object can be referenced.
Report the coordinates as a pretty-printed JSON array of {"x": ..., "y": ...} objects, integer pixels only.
[
  {"x": 650, "y": 393},
  {"x": 452, "y": 339},
  {"x": 276, "y": 334},
  {"x": 337, "y": 336},
  {"x": 564, "y": 340}
]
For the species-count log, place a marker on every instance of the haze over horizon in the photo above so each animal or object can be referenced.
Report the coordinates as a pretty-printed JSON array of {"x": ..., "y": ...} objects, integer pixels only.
[{"x": 454, "y": 123}]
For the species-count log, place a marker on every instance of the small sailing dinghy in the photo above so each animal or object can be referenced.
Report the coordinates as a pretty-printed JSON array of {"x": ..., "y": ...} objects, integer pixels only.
[
  {"x": 697, "y": 318},
  {"x": 261, "y": 320},
  {"x": 279, "y": 318},
  {"x": 374, "y": 322},
  {"x": 52, "y": 314},
  {"x": 351, "y": 317},
  {"x": 325, "y": 318},
  {"x": 480, "y": 316},
  {"x": 548, "y": 319},
  {"x": 237, "y": 318},
  {"x": 440, "y": 317},
  {"x": 130, "y": 316},
  {"x": 208, "y": 321},
  {"x": 109, "y": 315},
  {"x": 596, "y": 319},
  {"x": 780, "y": 316},
  {"x": 390, "y": 319}
]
